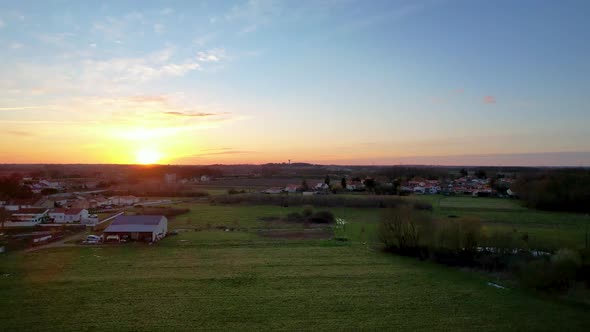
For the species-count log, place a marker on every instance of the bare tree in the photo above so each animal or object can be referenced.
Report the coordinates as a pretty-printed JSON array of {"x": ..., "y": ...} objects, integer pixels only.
[{"x": 4, "y": 216}]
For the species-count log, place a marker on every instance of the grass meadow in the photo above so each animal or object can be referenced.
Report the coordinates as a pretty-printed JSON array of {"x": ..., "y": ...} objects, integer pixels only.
[{"x": 207, "y": 278}]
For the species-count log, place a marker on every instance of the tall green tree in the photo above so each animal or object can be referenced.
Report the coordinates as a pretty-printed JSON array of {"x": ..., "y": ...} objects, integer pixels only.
[{"x": 343, "y": 183}]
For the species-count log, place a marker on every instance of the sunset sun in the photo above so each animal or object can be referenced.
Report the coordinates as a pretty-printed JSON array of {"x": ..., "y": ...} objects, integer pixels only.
[{"x": 147, "y": 156}]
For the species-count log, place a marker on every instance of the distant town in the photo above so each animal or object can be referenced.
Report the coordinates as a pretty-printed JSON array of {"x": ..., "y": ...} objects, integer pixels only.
[{"x": 76, "y": 199}]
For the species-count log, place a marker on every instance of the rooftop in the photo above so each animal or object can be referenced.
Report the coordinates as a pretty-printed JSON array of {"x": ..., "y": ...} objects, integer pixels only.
[
  {"x": 143, "y": 223},
  {"x": 67, "y": 211}
]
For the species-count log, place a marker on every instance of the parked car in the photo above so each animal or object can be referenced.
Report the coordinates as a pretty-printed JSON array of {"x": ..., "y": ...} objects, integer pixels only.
[{"x": 94, "y": 238}]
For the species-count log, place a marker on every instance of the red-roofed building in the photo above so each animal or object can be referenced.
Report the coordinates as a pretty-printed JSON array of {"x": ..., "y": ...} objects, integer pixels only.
[{"x": 292, "y": 188}]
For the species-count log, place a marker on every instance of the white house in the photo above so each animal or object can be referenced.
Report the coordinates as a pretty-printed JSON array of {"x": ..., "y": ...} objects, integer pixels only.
[
  {"x": 321, "y": 186},
  {"x": 355, "y": 186},
  {"x": 124, "y": 200},
  {"x": 101, "y": 201},
  {"x": 170, "y": 178},
  {"x": 275, "y": 190},
  {"x": 68, "y": 216},
  {"x": 291, "y": 188},
  {"x": 205, "y": 178},
  {"x": 50, "y": 184}
]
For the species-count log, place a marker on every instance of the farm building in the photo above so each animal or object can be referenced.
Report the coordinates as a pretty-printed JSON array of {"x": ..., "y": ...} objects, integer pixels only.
[
  {"x": 139, "y": 228},
  {"x": 30, "y": 215}
]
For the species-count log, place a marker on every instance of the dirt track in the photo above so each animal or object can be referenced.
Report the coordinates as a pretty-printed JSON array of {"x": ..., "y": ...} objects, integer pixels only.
[{"x": 59, "y": 244}]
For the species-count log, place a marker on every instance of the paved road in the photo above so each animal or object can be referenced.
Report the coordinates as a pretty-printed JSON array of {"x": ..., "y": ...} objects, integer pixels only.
[{"x": 59, "y": 244}]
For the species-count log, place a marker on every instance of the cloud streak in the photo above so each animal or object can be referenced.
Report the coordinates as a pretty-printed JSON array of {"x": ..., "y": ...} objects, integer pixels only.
[
  {"x": 489, "y": 100},
  {"x": 19, "y": 133},
  {"x": 190, "y": 115}
]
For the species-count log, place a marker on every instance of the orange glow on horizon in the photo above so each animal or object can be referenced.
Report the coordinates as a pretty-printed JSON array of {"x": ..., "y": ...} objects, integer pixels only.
[{"x": 148, "y": 156}]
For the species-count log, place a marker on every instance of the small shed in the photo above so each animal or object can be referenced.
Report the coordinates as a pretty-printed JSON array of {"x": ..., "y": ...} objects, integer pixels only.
[{"x": 139, "y": 227}]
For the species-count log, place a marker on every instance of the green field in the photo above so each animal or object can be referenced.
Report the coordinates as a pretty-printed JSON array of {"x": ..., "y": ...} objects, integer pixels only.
[
  {"x": 546, "y": 230},
  {"x": 210, "y": 278}
]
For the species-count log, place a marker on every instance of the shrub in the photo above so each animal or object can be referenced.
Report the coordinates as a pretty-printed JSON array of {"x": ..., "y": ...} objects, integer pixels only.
[
  {"x": 556, "y": 273},
  {"x": 320, "y": 201},
  {"x": 295, "y": 217},
  {"x": 566, "y": 263},
  {"x": 322, "y": 217},
  {"x": 233, "y": 191},
  {"x": 402, "y": 229}
]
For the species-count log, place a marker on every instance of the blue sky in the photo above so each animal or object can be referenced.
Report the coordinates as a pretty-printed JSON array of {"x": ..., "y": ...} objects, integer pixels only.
[{"x": 358, "y": 82}]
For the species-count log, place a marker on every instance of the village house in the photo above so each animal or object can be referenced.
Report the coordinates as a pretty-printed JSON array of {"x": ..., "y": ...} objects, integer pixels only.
[
  {"x": 30, "y": 215},
  {"x": 292, "y": 188},
  {"x": 67, "y": 216},
  {"x": 170, "y": 178},
  {"x": 321, "y": 186},
  {"x": 50, "y": 184},
  {"x": 138, "y": 228},
  {"x": 80, "y": 203},
  {"x": 17, "y": 204},
  {"x": 275, "y": 190},
  {"x": 355, "y": 186},
  {"x": 124, "y": 200}
]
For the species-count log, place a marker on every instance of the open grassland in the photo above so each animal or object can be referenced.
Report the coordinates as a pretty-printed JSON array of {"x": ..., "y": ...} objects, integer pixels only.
[
  {"x": 546, "y": 230},
  {"x": 213, "y": 279},
  {"x": 239, "y": 281}
]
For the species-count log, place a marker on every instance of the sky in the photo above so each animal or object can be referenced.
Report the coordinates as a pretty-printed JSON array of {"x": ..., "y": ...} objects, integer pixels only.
[{"x": 450, "y": 82}]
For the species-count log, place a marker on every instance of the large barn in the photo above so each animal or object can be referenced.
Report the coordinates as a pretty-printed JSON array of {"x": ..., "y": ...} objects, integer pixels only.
[{"x": 138, "y": 228}]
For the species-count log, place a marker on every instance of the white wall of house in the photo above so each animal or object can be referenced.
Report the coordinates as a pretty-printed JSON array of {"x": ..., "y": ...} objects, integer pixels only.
[
  {"x": 161, "y": 231},
  {"x": 67, "y": 218},
  {"x": 58, "y": 217}
]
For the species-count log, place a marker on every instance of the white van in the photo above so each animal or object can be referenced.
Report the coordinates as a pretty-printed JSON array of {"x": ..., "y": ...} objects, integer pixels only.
[{"x": 112, "y": 238}]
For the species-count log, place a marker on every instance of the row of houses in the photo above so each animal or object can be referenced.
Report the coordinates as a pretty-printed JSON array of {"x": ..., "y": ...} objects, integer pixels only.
[
  {"x": 69, "y": 200},
  {"x": 36, "y": 215},
  {"x": 464, "y": 185},
  {"x": 318, "y": 187}
]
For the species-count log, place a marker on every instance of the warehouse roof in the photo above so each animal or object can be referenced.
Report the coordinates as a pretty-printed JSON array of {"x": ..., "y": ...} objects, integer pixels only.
[{"x": 142, "y": 223}]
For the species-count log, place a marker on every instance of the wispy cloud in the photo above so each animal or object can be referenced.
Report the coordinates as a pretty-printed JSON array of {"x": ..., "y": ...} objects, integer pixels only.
[
  {"x": 56, "y": 39},
  {"x": 213, "y": 55},
  {"x": 190, "y": 115},
  {"x": 394, "y": 14},
  {"x": 2, "y": 24},
  {"x": 206, "y": 154},
  {"x": 159, "y": 28},
  {"x": 117, "y": 28},
  {"x": 254, "y": 14},
  {"x": 489, "y": 100},
  {"x": 16, "y": 46},
  {"x": 204, "y": 39},
  {"x": 22, "y": 108},
  {"x": 19, "y": 133},
  {"x": 143, "y": 69}
]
